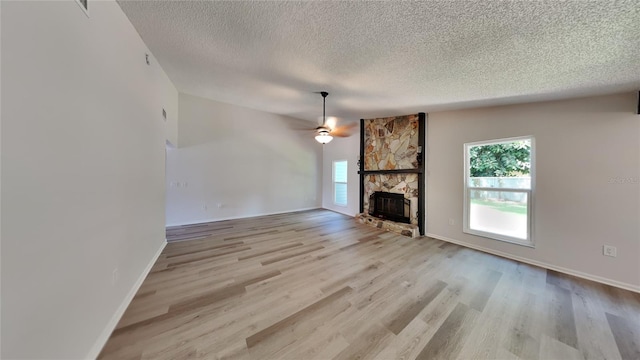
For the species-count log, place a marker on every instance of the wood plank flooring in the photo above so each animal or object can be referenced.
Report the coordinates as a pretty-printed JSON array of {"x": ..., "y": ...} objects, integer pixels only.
[{"x": 317, "y": 285}]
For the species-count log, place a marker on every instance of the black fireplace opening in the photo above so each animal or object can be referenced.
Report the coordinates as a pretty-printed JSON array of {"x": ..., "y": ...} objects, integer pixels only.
[{"x": 390, "y": 206}]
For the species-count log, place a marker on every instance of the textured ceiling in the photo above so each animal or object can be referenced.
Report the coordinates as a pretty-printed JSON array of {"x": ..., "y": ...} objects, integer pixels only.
[{"x": 389, "y": 58}]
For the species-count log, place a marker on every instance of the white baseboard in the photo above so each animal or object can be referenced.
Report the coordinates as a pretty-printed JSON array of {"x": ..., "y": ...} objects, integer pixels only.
[
  {"x": 203, "y": 221},
  {"x": 576, "y": 273},
  {"x": 340, "y": 212},
  {"x": 106, "y": 333}
]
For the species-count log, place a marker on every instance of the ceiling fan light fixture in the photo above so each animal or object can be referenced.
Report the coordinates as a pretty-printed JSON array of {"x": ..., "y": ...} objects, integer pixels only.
[{"x": 323, "y": 137}]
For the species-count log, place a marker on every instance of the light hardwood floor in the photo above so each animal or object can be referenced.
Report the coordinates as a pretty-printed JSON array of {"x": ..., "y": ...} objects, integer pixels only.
[{"x": 317, "y": 285}]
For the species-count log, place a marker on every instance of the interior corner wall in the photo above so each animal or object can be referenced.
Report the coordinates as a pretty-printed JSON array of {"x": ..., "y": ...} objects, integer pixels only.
[
  {"x": 83, "y": 152},
  {"x": 337, "y": 150},
  {"x": 235, "y": 162},
  {"x": 587, "y": 175}
]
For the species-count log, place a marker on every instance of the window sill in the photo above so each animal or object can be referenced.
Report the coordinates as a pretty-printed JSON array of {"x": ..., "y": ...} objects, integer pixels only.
[{"x": 503, "y": 238}]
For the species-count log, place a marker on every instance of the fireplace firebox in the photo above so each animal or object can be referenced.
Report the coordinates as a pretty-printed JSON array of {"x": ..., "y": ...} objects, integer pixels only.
[{"x": 390, "y": 206}]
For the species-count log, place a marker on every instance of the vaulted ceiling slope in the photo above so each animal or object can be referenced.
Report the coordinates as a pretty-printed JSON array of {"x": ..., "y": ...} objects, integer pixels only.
[{"x": 389, "y": 58}]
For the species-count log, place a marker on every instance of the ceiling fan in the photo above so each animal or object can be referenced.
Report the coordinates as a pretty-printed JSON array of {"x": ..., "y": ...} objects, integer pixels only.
[{"x": 326, "y": 132}]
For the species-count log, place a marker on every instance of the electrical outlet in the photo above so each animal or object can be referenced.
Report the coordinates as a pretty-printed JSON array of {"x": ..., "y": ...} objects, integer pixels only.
[
  {"x": 451, "y": 222},
  {"x": 220, "y": 205},
  {"x": 205, "y": 207},
  {"x": 608, "y": 250}
]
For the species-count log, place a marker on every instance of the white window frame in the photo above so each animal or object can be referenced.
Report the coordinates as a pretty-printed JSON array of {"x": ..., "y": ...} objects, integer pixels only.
[
  {"x": 530, "y": 193},
  {"x": 334, "y": 182}
]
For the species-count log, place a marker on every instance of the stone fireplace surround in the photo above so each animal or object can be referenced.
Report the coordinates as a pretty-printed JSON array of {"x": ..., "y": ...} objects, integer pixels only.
[
  {"x": 406, "y": 184},
  {"x": 390, "y": 162}
]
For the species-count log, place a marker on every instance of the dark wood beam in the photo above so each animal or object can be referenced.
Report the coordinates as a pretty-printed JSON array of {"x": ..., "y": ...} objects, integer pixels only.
[
  {"x": 394, "y": 171},
  {"x": 361, "y": 163},
  {"x": 421, "y": 190}
]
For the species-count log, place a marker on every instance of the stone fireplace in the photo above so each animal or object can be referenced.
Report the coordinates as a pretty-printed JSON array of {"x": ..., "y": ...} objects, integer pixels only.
[
  {"x": 405, "y": 185},
  {"x": 391, "y": 163},
  {"x": 390, "y": 206}
]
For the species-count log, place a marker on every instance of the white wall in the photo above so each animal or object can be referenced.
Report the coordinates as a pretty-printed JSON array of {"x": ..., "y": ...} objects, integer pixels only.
[
  {"x": 247, "y": 161},
  {"x": 83, "y": 144},
  {"x": 169, "y": 97},
  {"x": 342, "y": 149},
  {"x": 581, "y": 145}
]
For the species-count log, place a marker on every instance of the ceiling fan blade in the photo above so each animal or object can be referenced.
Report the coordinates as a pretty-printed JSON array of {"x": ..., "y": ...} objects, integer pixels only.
[
  {"x": 344, "y": 130},
  {"x": 331, "y": 122}
]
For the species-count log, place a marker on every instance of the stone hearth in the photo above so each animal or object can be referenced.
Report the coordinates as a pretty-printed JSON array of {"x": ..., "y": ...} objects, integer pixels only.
[{"x": 409, "y": 230}]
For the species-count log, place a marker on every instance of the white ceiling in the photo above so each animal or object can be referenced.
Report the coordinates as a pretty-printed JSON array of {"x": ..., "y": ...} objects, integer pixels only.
[{"x": 391, "y": 58}]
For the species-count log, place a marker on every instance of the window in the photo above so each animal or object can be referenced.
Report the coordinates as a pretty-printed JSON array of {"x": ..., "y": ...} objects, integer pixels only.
[
  {"x": 340, "y": 183},
  {"x": 498, "y": 189}
]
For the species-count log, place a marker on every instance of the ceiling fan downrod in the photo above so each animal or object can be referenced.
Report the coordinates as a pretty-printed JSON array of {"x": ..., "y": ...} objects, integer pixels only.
[{"x": 324, "y": 103}]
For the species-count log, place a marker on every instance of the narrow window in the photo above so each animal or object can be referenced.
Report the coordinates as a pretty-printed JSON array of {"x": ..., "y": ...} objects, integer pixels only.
[
  {"x": 498, "y": 189},
  {"x": 340, "y": 183}
]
